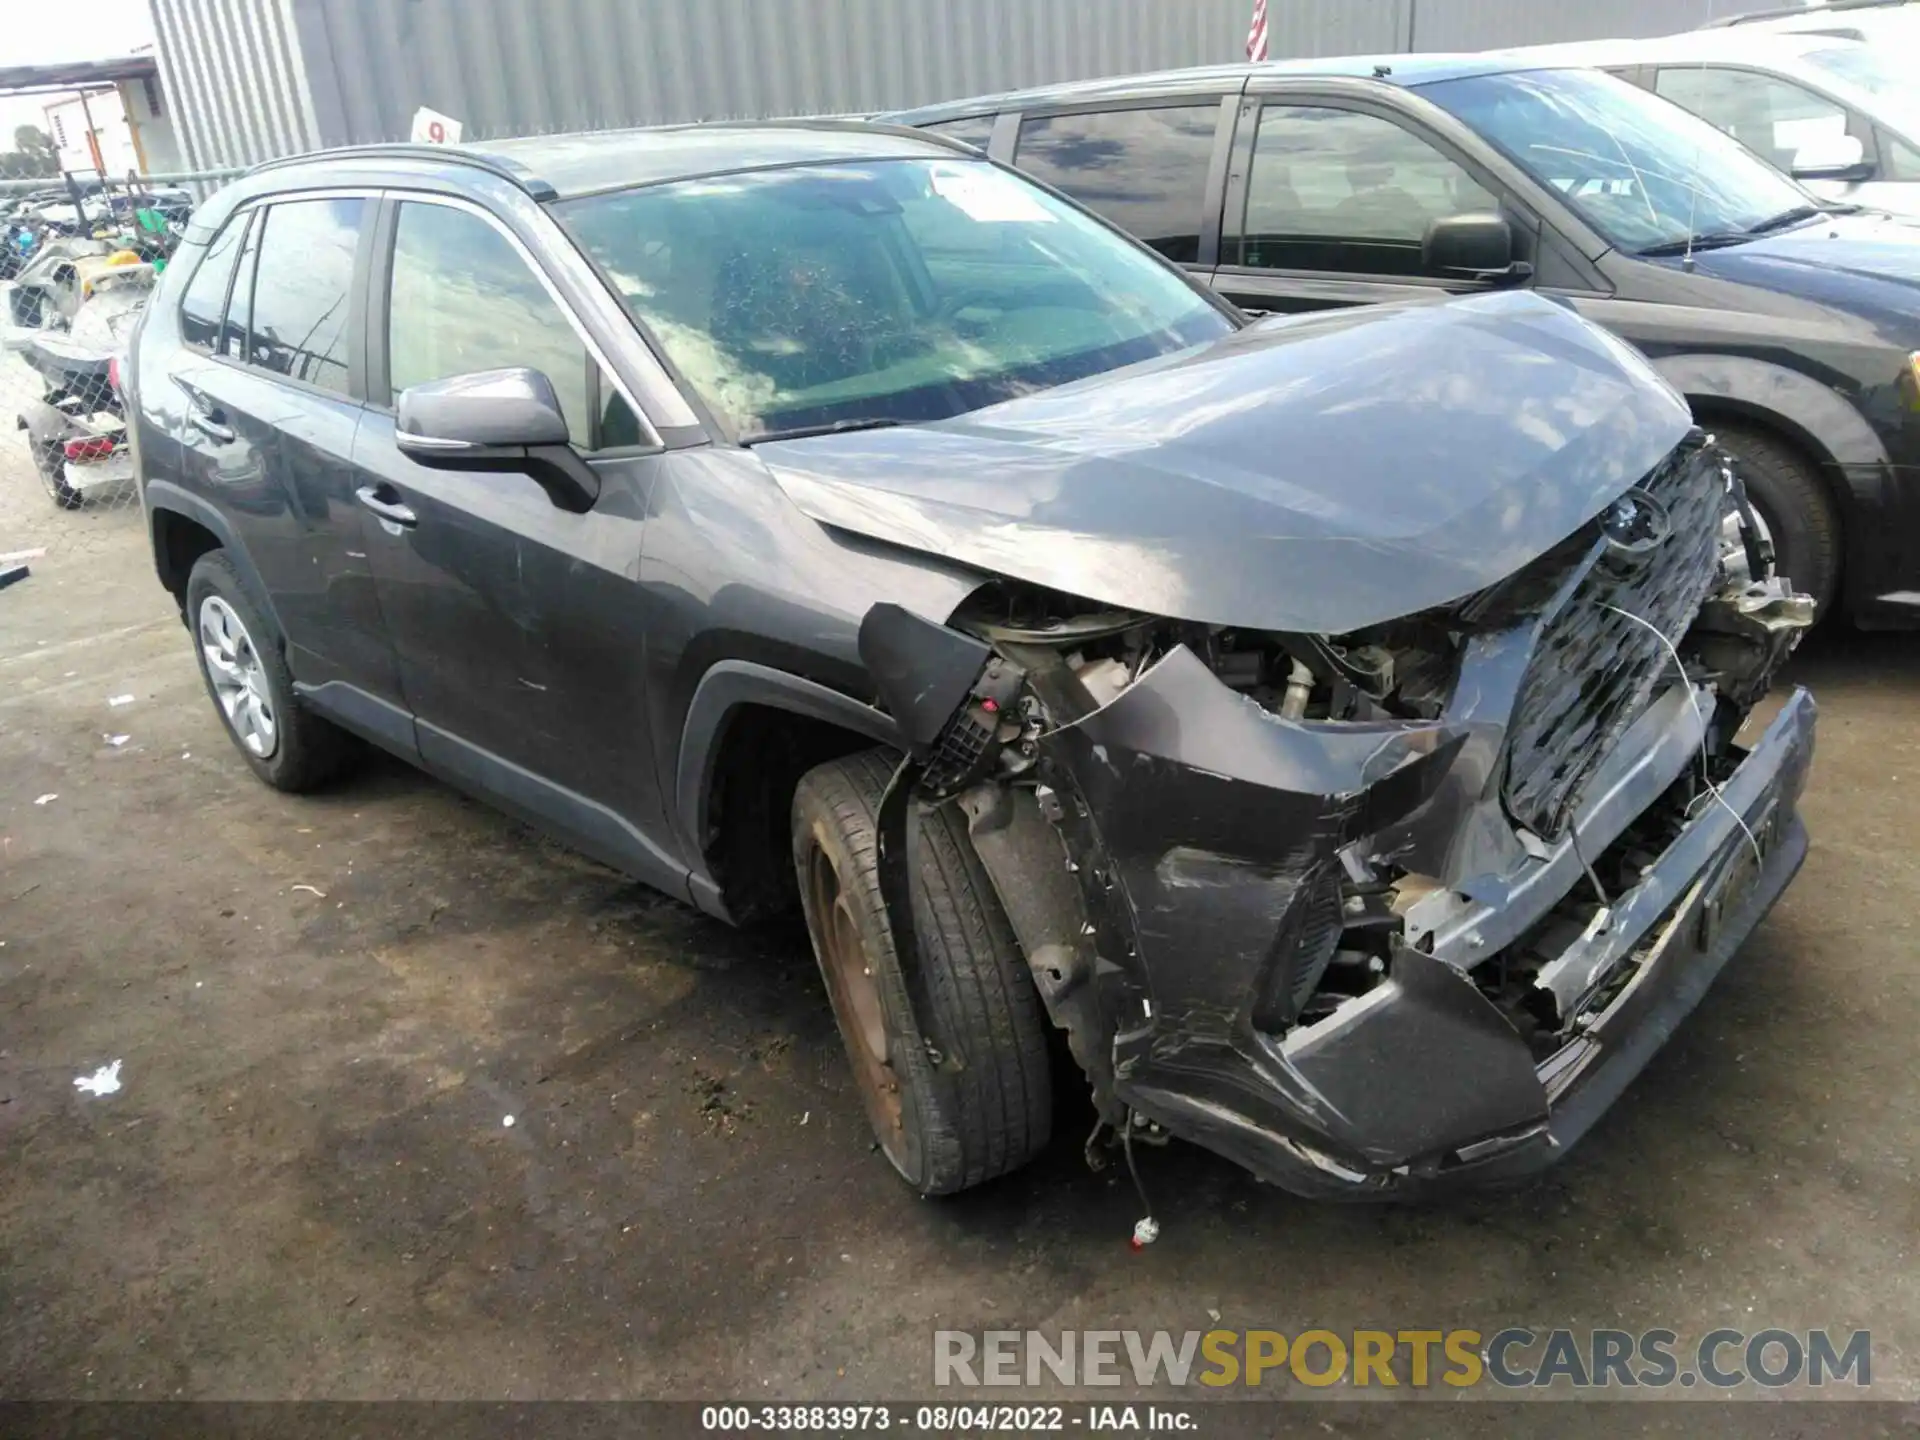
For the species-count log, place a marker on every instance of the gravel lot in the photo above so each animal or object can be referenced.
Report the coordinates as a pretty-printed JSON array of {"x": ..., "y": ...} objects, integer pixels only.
[{"x": 326, "y": 1008}]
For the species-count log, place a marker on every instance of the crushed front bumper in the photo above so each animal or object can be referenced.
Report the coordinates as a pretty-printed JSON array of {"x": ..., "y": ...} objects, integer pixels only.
[{"x": 1198, "y": 822}]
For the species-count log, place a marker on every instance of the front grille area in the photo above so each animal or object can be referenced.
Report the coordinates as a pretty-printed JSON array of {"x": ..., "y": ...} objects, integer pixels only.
[{"x": 1594, "y": 670}]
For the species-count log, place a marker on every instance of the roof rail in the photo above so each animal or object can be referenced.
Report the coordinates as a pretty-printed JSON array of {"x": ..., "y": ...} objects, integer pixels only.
[
  {"x": 500, "y": 165},
  {"x": 1787, "y": 12},
  {"x": 830, "y": 122}
]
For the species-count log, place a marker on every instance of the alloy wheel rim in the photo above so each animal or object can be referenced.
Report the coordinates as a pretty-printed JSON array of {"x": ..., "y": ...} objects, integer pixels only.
[
  {"x": 238, "y": 677},
  {"x": 856, "y": 999}
]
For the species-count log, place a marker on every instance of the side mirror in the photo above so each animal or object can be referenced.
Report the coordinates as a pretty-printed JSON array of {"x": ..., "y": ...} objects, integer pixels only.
[
  {"x": 496, "y": 420},
  {"x": 1832, "y": 157},
  {"x": 1474, "y": 246}
]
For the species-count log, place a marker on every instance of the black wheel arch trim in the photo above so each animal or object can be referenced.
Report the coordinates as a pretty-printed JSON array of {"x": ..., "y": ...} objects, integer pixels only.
[
  {"x": 164, "y": 495},
  {"x": 724, "y": 688}
]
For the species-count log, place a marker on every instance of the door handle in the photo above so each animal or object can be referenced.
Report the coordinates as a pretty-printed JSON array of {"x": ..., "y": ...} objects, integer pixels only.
[
  {"x": 391, "y": 511},
  {"x": 209, "y": 426},
  {"x": 203, "y": 414}
]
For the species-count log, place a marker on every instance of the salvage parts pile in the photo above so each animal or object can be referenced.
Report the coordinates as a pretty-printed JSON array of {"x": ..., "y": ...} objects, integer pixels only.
[{"x": 1372, "y": 912}]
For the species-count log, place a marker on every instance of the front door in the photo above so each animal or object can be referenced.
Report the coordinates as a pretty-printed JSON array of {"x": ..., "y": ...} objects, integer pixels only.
[
  {"x": 1332, "y": 207},
  {"x": 270, "y": 418},
  {"x": 517, "y": 623}
]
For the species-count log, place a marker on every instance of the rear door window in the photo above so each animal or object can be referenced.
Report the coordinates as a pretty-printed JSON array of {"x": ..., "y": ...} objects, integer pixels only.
[
  {"x": 206, "y": 297},
  {"x": 302, "y": 290},
  {"x": 1347, "y": 192},
  {"x": 1144, "y": 169}
]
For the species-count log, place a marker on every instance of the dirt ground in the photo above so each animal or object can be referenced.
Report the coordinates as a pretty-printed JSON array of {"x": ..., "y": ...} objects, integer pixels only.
[{"x": 325, "y": 1009}]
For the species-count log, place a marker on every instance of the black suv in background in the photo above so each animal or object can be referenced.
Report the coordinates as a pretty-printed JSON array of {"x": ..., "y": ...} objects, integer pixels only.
[
  {"x": 1791, "y": 328},
  {"x": 1329, "y": 726}
]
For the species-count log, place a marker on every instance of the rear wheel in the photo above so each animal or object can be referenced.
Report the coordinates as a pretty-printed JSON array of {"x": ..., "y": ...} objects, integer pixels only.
[
  {"x": 285, "y": 744},
  {"x": 1784, "y": 486},
  {"x": 49, "y": 458},
  {"x": 943, "y": 1129}
]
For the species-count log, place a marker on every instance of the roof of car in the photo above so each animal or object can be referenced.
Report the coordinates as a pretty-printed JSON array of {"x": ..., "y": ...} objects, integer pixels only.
[
  {"x": 560, "y": 167},
  {"x": 1749, "y": 47},
  {"x": 1405, "y": 71}
]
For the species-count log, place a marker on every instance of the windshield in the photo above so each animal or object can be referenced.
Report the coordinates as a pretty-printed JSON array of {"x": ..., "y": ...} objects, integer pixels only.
[
  {"x": 1870, "y": 71},
  {"x": 1640, "y": 170},
  {"x": 824, "y": 296}
]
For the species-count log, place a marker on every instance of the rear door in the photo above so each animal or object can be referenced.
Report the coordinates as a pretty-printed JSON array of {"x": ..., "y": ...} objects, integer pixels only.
[
  {"x": 1155, "y": 168},
  {"x": 518, "y": 624},
  {"x": 1328, "y": 203},
  {"x": 271, "y": 410}
]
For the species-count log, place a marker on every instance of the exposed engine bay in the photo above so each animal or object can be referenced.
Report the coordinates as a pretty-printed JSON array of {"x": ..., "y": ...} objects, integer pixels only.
[{"x": 1362, "y": 910}]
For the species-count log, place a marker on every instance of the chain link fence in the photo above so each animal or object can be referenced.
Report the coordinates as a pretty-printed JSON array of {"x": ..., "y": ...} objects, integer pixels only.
[{"x": 78, "y": 261}]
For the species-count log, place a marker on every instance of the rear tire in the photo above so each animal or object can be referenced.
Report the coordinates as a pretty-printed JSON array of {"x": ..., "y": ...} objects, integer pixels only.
[
  {"x": 49, "y": 458},
  {"x": 246, "y": 675},
  {"x": 1785, "y": 487},
  {"x": 943, "y": 1130}
]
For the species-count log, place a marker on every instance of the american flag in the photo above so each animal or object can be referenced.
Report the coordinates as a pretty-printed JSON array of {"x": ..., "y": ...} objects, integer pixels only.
[{"x": 1257, "y": 32}]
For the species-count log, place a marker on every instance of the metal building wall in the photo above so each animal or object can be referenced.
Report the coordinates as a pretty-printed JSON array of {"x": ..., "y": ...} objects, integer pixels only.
[
  {"x": 1496, "y": 24},
  {"x": 511, "y": 66},
  {"x": 234, "y": 76},
  {"x": 250, "y": 79}
]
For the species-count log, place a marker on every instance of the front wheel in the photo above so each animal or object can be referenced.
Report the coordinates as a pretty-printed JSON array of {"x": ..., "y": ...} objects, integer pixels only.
[
  {"x": 1785, "y": 489},
  {"x": 944, "y": 1129}
]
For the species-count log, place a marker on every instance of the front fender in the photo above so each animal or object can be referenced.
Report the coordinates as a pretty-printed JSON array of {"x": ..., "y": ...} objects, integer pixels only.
[{"x": 1822, "y": 418}]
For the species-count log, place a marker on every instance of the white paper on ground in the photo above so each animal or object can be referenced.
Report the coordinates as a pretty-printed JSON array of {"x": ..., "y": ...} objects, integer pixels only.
[{"x": 103, "y": 1081}]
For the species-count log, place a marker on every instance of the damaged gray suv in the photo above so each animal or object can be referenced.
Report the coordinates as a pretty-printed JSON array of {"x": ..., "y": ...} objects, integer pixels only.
[{"x": 1329, "y": 725}]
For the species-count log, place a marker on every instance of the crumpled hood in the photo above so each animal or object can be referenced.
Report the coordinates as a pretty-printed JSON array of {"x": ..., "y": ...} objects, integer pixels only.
[{"x": 1318, "y": 474}]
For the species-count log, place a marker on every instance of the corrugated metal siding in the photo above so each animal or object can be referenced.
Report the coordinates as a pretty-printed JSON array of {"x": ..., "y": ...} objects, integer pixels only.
[
  {"x": 235, "y": 79},
  {"x": 251, "y": 79},
  {"x": 509, "y": 67},
  {"x": 1495, "y": 24}
]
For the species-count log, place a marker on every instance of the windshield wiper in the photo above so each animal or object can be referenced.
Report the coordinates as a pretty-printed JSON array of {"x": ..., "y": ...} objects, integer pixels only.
[
  {"x": 831, "y": 427},
  {"x": 1786, "y": 218},
  {"x": 1711, "y": 240}
]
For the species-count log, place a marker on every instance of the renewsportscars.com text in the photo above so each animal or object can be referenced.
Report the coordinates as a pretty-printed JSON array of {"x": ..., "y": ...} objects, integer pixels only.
[{"x": 1512, "y": 1358}]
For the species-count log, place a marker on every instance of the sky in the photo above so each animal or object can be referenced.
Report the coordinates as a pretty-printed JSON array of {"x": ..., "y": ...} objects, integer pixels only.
[{"x": 36, "y": 32}]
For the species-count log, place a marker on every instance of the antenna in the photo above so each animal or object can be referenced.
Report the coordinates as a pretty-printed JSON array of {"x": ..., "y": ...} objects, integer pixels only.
[{"x": 1693, "y": 182}]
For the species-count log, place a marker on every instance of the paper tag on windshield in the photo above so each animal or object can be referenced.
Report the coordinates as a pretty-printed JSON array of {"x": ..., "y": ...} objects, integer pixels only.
[{"x": 984, "y": 194}]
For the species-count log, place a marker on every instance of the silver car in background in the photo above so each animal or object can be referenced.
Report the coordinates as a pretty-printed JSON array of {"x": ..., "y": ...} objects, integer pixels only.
[{"x": 1840, "y": 115}]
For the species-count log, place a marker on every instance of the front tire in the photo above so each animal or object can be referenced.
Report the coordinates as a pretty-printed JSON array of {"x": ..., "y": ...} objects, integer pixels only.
[
  {"x": 943, "y": 1129},
  {"x": 1785, "y": 487},
  {"x": 246, "y": 675}
]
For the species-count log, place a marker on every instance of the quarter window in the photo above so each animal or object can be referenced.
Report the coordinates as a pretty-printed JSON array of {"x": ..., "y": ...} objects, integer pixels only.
[
  {"x": 1769, "y": 116},
  {"x": 206, "y": 297},
  {"x": 302, "y": 291},
  {"x": 1348, "y": 192},
  {"x": 464, "y": 300},
  {"x": 1145, "y": 170},
  {"x": 975, "y": 130}
]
